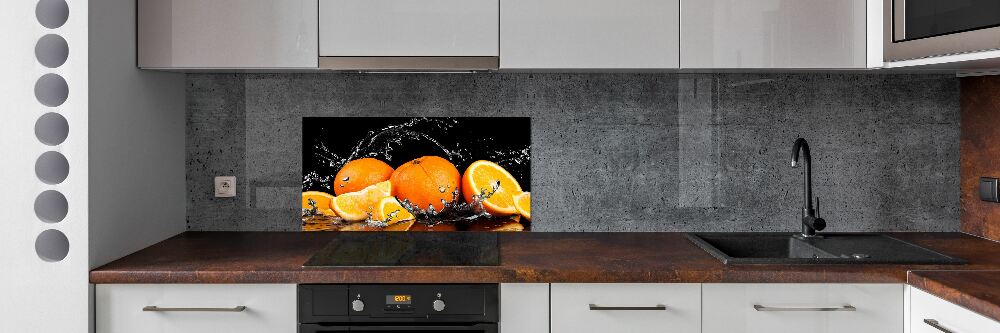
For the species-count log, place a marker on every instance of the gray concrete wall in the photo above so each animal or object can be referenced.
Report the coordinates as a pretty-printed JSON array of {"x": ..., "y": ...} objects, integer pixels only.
[{"x": 615, "y": 152}]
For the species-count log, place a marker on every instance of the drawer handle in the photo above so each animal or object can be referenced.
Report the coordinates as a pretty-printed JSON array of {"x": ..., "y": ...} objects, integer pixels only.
[
  {"x": 154, "y": 308},
  {"x": 935, "y": 324},
  {"x": 759, "y": 307},
  {"x": 595, "y": 307}
]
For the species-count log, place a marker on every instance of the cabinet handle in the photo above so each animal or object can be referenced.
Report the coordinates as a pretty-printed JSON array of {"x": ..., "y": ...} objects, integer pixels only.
[
  {"x": 159, "y": 309},
  {"x": 595, "y": 307},
  {"x": 759, "y": 307},
  {"x": 935, "y": 324}
]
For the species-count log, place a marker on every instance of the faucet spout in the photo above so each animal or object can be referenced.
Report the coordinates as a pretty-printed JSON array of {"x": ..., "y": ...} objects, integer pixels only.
[{"x": 810, "y": 222}]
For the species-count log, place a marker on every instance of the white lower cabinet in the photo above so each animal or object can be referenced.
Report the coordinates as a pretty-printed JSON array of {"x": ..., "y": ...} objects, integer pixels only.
[
  {"x": 930, "y": 314},
  {"x": 196, "y": 308},
  {"x": 625, "y": 307},
  {"x": 803, "y": 308},
  {"x": 524, "y": 307}
]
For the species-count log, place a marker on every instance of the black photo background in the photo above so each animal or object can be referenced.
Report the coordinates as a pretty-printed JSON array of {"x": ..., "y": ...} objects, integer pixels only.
[{"x": 330, "y": 142}]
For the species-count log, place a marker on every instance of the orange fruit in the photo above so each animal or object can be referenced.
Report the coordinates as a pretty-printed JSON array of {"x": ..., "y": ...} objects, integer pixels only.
[
  {"x": 356, "y": 206},
  {"x": 389, "y": 210},
  {"x": 322, "y": 200},
  {"x": 522, "y": 203},
  {"x": 426, "y": 182},
  {"x": 481, "y": 178},
  {"x": 360, "y": 173}
]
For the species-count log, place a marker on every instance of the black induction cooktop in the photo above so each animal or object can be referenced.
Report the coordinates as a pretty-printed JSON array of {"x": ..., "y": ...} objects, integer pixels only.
[{"x": 409, "y": 249}]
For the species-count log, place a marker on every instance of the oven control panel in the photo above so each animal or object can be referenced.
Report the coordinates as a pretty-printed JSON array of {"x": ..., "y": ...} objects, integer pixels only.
[
  {"x": 399, "y": 303},
  {"x": 402, "y": 302}
]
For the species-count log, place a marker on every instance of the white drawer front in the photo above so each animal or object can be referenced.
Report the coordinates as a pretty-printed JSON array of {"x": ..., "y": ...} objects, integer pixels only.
[
  {"x": 571, "y": 311},
  {"x": 730, "y": 308},
  {"x": 949, "y": 316},
  {"x": 270, "y": 308}
]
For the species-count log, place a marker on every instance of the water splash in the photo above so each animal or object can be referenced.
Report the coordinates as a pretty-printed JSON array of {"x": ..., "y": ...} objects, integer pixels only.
[
  {"x": 512, "y": 157},
  {"x": 383, "y": 142},
  {"x": 313, "y": 210},
  {"x": 314, "y": 180}
]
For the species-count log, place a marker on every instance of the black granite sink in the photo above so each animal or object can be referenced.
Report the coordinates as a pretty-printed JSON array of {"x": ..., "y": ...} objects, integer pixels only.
[{"x": 833, "y": 248}]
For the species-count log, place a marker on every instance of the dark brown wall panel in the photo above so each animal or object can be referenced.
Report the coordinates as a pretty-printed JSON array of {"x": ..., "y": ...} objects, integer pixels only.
[{"x": 980, "y": 150}]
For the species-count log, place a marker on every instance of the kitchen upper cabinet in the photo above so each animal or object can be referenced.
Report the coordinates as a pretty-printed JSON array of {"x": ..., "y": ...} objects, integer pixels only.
[
  {"x": 626, "y": 307},
  {"x": 406, "y": 28},
  {"x": 804, "y": 308},
  {"x": 589, "y": 34},
  {"x": 779, "y": 34},
  {"x": 930, "y": 314},
  {"x": 192, "y": 34},
  {"x": 196, "y": 308}
]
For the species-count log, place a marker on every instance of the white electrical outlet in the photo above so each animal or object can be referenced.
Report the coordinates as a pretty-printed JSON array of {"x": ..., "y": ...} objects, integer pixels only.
[{"x": 225, "y": 187}]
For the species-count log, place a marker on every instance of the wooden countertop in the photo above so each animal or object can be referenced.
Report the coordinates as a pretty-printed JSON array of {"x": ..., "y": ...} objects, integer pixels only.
[
  {"x": 978, "y": 291},
  {"x": 277, "y": 257}
]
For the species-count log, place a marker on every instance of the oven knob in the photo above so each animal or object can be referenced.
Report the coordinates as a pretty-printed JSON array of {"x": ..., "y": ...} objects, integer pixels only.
[
  {"x": 358, "y": 305},
  {"x": 438, "y": 305}
]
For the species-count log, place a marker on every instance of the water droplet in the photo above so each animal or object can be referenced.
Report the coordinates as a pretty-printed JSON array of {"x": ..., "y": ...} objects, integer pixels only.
[
  {"x": 347, "y": 178},
  {"x": 442, "y": 189}
]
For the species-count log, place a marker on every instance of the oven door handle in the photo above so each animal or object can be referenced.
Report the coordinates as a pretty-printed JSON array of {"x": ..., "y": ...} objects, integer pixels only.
[
  {"x": 485, "y": 328},
  {"x": 401, "y": 327}
]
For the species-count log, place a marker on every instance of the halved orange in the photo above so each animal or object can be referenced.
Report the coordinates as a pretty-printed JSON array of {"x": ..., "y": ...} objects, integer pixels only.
[
  {"x": 322, "y": 200},
  {"x": 356, "y": 206},
  {"x": 390, "y": 211},
  {"x": 522, "y": 203},
  {"x": 481, "y": 178}
]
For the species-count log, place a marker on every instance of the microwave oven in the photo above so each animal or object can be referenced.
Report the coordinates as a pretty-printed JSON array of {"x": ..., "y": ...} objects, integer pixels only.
[{"x": 915, "y": 29}]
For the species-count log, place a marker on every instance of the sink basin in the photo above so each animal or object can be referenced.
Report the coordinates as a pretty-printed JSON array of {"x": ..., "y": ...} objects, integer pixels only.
[{"x": 836, "y": 248}]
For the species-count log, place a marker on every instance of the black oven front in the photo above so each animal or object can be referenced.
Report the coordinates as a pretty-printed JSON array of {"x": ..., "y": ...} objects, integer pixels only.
[{"x": 386, "y": 308}]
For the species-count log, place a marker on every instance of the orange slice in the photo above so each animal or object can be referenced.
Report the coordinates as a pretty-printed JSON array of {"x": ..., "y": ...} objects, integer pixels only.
[
  {"x": 356, "y": 206},
  {"x": 481, "y": 178},
  {"x": 322, "y": 200},
  {"x": 389, "y": 210},
  {"x": 401, "y": 226},
  {"x": 522, "y": 203}
]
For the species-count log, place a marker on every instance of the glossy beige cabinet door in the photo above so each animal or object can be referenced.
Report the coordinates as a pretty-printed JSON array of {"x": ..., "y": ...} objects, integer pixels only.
[
  {"x": 774, "y": 34},
  {"x": 588, "y": 34},
  {"x": 803, "y": 308},
  {"x": 227, "y": 34},
  {"x": 930, "y": 314},
  {"x": 409, "y": 28},
  {"x": 626, "y": 307}
]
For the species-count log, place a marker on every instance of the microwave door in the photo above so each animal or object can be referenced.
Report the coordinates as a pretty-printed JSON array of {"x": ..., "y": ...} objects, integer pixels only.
[
  {"x": 916, "y": 29},
  {"x": 916, "y": 19}
]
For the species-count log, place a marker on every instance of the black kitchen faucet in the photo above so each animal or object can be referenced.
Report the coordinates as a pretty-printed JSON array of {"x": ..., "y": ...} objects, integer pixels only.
[{"x": 810, "y": 221}]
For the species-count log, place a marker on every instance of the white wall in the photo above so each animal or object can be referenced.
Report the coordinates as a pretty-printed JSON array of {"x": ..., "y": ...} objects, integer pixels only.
[
  {"x": 137, "y": 186},
  {"x": 38, "y": 295},
  {"x": 124, "y": 187}
]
